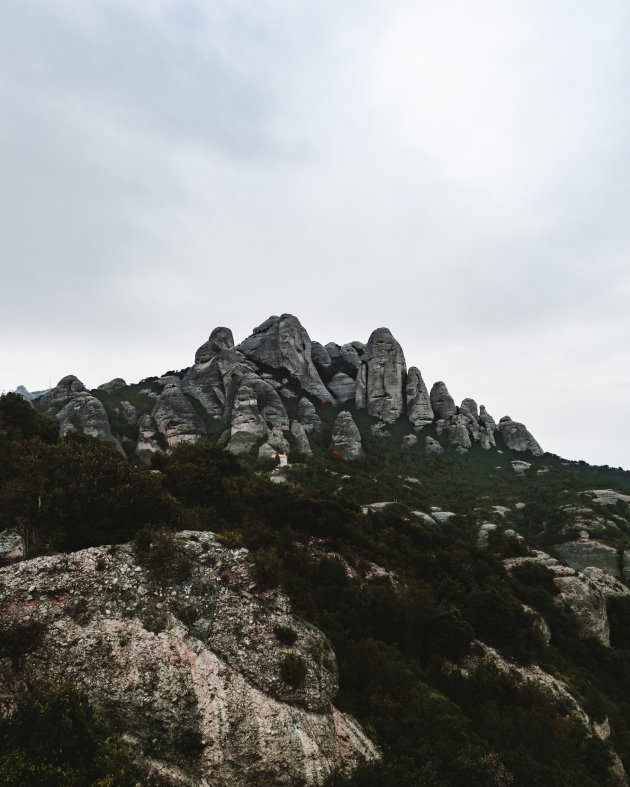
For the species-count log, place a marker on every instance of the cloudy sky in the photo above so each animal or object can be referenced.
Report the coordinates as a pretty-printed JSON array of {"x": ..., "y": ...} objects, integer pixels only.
[{"x": 456, "y": 170}]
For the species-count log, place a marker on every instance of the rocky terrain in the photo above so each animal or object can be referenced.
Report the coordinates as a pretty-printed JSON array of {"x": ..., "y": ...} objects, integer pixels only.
[
  {"x": 265, "y": 397},
  {"x": 200, "y": 671}
]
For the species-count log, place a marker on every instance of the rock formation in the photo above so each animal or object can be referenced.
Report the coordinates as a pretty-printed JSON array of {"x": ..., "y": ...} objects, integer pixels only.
[
  {"x": 282, "y": 343},
  {"x": 346, "y": 439},
  {"x": 307, "y": 416},
  {"x": 516, "y": 437},
  {"x": 192, "y": 672},
  {"x": 419, "y": 410},
  {"x": 382, "y": 377},
  {"x": 442, "y": 402},
  {"x": 301, "y": 438},
  {"x": 174, "y": 415}
]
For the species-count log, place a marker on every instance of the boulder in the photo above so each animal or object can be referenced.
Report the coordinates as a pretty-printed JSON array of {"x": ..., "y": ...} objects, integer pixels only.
[
  {"x": 382, "y": 377},
  {"x": 113, "y": 385},
  {"x": 193, "y": 681},
  {"x": 148, "y": 439},
  {"x": 457, "y": 431},
  {"x": 281, "y": 343},
  {"x": 419, "y": 410},
  {"x": 346, "y": 438},
  {"x": 442, "y": 402},
  {"x": 517, "y": 438},
  {"x": 431, "y": 446}
]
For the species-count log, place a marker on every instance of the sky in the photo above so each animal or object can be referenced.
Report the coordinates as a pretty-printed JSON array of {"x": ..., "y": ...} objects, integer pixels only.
[{"x": 457, "y": 171}]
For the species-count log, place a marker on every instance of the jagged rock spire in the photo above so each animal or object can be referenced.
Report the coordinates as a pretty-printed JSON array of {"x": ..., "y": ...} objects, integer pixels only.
[{"x": 382, "y": 377}]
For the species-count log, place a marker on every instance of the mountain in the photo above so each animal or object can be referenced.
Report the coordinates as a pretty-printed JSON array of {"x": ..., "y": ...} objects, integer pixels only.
[
  {"x": 274, "y": 393},
  {"x": 417, "y": 595}
]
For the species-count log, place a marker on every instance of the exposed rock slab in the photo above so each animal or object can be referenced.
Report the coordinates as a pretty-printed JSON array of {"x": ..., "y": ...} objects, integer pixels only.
[
  {"x": 175, "y": 417},
  {"x": 342, "y": 388},
  {"x": 181, "y": 662}
]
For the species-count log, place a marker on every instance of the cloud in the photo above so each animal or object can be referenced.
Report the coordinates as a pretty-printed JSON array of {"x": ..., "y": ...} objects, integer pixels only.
[{"x": 457, "y": 171}]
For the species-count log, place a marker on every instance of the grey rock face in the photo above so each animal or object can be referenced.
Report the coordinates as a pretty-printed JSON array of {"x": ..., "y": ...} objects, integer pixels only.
[
  {"x": 442, "y": 402},
  {"x": 212, "y": 674},
  {"x": 307, "y": 416},
  {"x": 175, "y": 417},
  {"x": 113, "y": 385},
  {"x": 282, "y": 343},
  {"x": 517, "y": 438},
  {"x": 342, "y": 388},
  {"x": 419, "y": 410},
  {"x": 485, "y": 419},
  {"x": 248, "y": 429},
  {"x": 382, "y": 377},
  {"x": 220, "y": 340},
  {"x": 148, "y": 439},
  {"x": 301, "y": 438},
  {"x": 67, "y": 388},
  {"x": 409, "y": 440},
  {"x": 431, "y": 446},
  {"x": 346, "y": 438},
  {"x": 587, "y": 552},
  {"x": 469, "y": 406},
  {"x": 457, "y": 431},
  {"x": 322, "y": 361},
  {"x": 85, "y": 413},
  {"x": 587, "y": 603}
]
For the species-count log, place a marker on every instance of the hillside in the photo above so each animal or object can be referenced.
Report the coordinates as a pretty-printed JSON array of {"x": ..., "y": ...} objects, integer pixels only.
[{"x": 421, "y": 596}]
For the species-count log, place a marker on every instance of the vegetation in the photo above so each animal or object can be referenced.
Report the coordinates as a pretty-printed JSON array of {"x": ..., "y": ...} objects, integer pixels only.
[
  {"x": 54, "y": 739},
  {"x": 400, "y": 600}
]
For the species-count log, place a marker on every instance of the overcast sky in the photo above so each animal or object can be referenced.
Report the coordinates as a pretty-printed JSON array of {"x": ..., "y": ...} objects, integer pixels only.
[{"x": 457, "y": 171}]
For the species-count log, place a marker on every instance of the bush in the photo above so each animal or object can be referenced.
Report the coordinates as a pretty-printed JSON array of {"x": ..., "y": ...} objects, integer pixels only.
[{"x": 158, "y": 550}]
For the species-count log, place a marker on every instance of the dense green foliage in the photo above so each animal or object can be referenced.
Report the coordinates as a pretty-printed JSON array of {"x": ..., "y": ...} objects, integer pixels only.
[
  {"x": 401, "y": 601},
  {"x": 55, "y": 740}
]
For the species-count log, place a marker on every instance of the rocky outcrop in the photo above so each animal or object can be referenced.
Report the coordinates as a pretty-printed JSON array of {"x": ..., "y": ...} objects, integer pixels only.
[
  {"x": 67, "y": 388},
  {"x": 517, "y": 438},
  {"x": 301, "y": 438},
  {"x": 281, "y": 343},
  {"x": 580, "y": 595},
  {"x": 77, "y": 409},
  {"x": 346, "y": 438},
  {"x": 209, "y": 680},
  {"x": 307, "y": 416},
  {"x": 113, "y": 385},
  {"x": 457, "y": 431},
  {"x": 149, "y": 439},
  {"x": 248, "y": 429},
  {"x": 432, "y": 446},
  {"x": 174, "y": 415},
  {"x": 215, "y": 375},
  {"x": 419, "y": 410},
  {"x": 84, "y": 413},
  {"x": 382, "y": 377},
  {"x": 469, "y": 407},
  {"x": 587, "y": 552},
  {"x": 322, "y": 361},
  {"x": 442, "y": 402},
  {"x": 342, "y": 388}
]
